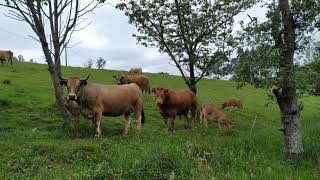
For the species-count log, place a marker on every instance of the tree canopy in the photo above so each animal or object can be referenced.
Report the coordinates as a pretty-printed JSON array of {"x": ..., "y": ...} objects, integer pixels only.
[{"x": 196, "y": 34}]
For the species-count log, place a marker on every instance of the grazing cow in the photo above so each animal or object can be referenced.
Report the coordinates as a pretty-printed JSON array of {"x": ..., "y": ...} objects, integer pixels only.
[
  {"x": 141, "y": 80},
  {"x": 232, "y": 102},
  {"x": 210, "y": 112},
  {"x": 172, "y": 103},
  {"x": 6, "y": 56},
  {"x": 134, "y": 71},
  {"x": 106, "y": 100}
]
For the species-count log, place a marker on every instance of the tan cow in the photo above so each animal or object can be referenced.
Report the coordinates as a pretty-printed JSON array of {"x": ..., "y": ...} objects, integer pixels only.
[
  {"x": 135, "y": 71},
  {"x": 172, "y": 103},
  {"x": 210, "y": 112},
  {"x": 6, "y": 56},
  {"x": 141, "y": 80},
  {"x": 233, "y": 102},
  {"x": 106, "y": 100}
]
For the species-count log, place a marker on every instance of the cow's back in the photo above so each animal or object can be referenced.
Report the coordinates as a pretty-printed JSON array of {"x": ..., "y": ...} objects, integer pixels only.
[
  {"x": 114, "y": 100},
  {"x": 180, "y": 102},
  {"x": 5, "y": 54},
  {"x": 141, "y": 80}
]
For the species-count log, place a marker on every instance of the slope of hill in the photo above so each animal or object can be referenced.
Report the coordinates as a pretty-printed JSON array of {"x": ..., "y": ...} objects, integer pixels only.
[{"x": 35, "y": 144}]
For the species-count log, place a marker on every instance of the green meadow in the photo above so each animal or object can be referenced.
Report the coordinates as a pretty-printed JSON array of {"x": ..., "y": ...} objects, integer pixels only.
[{"x": 35, "y": 143}]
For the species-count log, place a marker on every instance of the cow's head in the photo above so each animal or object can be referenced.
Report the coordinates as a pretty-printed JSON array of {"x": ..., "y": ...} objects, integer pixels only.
[
  {"x": 119, "y": 79},
  {"x": 74, "y": 85},
  {"x": 161, "y": 94}
]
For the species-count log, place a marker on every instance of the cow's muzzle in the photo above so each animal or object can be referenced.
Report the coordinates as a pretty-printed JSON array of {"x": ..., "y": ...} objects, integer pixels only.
[
  {"x": 159, "y": 102},
  {"x": 72, "y": 97}
]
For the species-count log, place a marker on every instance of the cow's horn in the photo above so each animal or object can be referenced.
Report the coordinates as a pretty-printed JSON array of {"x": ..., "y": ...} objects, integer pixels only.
[
  {"x": 61, "y": 78},
  {"x": 86, "y": 78}
]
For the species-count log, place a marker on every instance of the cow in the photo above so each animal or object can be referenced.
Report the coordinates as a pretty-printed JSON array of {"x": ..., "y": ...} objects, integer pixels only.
[
  {"x": 172, "y": 103},
  {"x": 6, "y": 56},
  {"x": 134, "y": 71},
  {"x": 106, "y": 100},
  {"x": 233, "y": 102},
  {"x": 209, "y": 112},
  {"x": 141, "y": 80}
]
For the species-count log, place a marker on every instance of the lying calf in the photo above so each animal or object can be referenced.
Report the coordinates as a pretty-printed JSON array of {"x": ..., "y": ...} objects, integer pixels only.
[{"x": 210, "y": 112}]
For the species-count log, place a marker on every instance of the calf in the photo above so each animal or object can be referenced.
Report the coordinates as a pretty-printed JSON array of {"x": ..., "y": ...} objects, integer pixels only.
[
  {"x": 172, "y": 103},
  {"x": 106, "y": 100},
  {"x": 232, "y": 102},
  {"x": 134, "y": 71},
  {"x": 141, "y": 80},
  {"x": 210, "y": 112}
]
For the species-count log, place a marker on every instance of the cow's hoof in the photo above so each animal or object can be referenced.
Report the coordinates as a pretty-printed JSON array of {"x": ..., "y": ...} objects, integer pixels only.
[{"x": 97, "y": 136}]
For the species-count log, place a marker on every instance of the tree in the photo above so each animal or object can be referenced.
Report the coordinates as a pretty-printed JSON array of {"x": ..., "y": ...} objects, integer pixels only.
[
  {"x": 31, "y": 60},
  {"x": 100, "y": 63},
  {"x": 284, "y": 35},
  {"x": 20, "y": 58},
  {"x": 196, "y": 34},
  {"x": 88, "y": 63},
  {"x": 58, "y": 19}
]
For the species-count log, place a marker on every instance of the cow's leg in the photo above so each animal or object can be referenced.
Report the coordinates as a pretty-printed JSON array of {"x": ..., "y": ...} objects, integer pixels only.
[
  {"x": 97, "y": 123},
  {"x": 220, "y": 122},
  {"x": 165, "y": 121},
  {"x": 205, "y": 120},
  {"x": 191, "y": 116},
  {"x": 127, "y": 123},
  {"x": 172, "y": 123},
  {"x": 138, "y": 118}
]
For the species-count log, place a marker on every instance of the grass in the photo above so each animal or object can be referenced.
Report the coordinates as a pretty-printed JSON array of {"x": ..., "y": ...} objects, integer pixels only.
[{"x": 34, "y": 144}]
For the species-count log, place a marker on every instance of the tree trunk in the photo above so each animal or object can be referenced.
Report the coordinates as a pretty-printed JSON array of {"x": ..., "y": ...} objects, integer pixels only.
[
  {"x": 287, "y": 99},
  {"x": 192, "y": 79},
  {"x": 290, "y": 122},
  {"x": 290, "y": 119},
  {"x": 54, "y": 72},
  {"x": 192, "y": 86}
]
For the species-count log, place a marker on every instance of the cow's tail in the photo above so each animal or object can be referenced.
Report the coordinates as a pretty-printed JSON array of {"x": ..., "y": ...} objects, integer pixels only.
[
  {"x": 142, "y": 116},
  {"x": 149, "y": 90}
]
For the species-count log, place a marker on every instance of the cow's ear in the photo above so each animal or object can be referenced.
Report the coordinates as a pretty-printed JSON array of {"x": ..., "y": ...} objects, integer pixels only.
[
  {"x": 63, "y": 82},
  {"x": 83, "y": 83},
  {"x": 153, "y": 90}
]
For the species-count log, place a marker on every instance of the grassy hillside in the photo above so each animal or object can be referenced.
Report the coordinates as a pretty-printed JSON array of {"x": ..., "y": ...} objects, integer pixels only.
[{"x": 34, "y": 143}]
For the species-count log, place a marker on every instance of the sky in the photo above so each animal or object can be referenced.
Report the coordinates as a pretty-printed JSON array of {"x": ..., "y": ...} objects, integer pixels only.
[{"x": 109, "y": 35}]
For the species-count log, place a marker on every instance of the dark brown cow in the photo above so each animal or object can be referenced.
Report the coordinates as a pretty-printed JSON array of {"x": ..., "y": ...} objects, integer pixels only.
[
  {"x": 233, "y": 102},
  {"x": 211, "y": 112},
  {"x": 172, "y": 103},
  {"x": 107, "y": 100},
  {"x": 134, "y": 71},
  {"x": 6, "y": 56},
  {"x": 141, "y": 80}
]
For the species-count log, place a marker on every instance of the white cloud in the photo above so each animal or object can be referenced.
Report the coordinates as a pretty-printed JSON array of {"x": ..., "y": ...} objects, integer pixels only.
[
  {"x": 90, "y": 38},
  {"x": 35, "y": 54}
]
